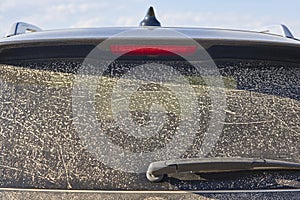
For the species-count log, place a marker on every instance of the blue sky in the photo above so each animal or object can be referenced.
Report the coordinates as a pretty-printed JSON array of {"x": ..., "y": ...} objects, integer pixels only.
[{"x": 236, "y": 14}]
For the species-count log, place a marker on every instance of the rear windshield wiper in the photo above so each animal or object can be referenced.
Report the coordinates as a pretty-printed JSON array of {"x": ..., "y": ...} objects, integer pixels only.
[{"x": 157, "y": 170}]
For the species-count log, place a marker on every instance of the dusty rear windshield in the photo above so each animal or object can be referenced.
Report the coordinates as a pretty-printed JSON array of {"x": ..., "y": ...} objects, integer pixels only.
[{"x": 45, "y": 121}]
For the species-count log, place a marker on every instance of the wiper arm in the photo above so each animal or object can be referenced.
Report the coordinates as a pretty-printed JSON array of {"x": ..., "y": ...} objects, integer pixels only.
[{"x": 157, "y": 170}]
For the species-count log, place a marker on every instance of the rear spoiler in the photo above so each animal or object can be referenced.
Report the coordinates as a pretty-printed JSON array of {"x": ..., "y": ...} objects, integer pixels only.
[
  {"x": 280, "y": 30},
  {"x": 21, "y": 28}
]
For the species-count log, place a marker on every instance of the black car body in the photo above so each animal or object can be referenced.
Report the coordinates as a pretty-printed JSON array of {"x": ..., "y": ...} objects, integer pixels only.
[{"x": 43, "y": 156}]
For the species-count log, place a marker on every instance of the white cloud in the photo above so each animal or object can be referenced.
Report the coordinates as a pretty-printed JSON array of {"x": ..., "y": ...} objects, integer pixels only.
[
  {"x": 127, "y": 21},
  {"x": 6, "y": 4},
  {"x": 93, "y": 22},
  {"x": 77, "y": 9},
  {"x": 209, "y": 20}
]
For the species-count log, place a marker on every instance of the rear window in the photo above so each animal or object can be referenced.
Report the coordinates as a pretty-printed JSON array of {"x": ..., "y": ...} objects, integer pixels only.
[{"x": 45, "y": 121}]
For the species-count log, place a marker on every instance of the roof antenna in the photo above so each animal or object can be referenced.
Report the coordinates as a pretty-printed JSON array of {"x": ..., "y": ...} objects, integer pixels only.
[{"x": 150, "y": 19}]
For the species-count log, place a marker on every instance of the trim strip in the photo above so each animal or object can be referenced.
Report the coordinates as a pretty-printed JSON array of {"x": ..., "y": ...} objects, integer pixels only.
[{"x": 145, "y": 191}]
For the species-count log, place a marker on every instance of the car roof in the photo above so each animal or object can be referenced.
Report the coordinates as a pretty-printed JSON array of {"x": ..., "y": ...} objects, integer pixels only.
[{"x": 106, "y": 32}]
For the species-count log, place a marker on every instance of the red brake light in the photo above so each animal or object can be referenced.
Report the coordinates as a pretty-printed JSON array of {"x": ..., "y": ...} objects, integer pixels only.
[{"x": 152, "y": 49}]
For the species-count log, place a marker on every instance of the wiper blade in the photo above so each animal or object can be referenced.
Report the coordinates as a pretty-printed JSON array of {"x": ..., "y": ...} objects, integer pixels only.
[{"x": 157, "y": 170}]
